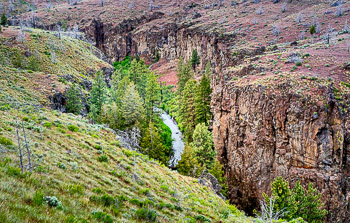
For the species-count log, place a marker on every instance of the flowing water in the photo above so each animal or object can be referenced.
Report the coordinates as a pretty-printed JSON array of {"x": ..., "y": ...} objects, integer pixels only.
[{"x": 176, "y": 135}]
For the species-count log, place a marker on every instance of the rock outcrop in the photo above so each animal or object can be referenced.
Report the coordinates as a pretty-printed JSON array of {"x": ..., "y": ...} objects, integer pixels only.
[
  {"x": 260, "y": 135},
  {"x": 143, "y": 37}
]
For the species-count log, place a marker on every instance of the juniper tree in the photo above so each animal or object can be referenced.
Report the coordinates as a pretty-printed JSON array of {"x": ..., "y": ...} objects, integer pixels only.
[
  {"x": 138, "y": 73},
  {"x": 203, "y": 146},
  {"x": 98, "y": 96},
  {"x": 187, "y": 108},
  {"x": 296, "y": 202},
  {"x": 188, "y": 162},
  {"x": 203, "y": 98},
  {"x": 151, "y": 144},
  {"x": 195, "y": 60},
  {"x": 119, "y": 89},
  {"x": 184, "y": 73},
  {"x": 73, "y": 100},
  {"x": 132, "y": 109},
  {"x": 3, "y": 20},
  {"x": 152, "y": 95}
]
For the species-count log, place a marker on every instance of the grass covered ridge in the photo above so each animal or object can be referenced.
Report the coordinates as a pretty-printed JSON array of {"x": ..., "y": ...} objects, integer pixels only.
[
  {"x": 70, "y": 168},
  {"x": 81, "y": 173}
]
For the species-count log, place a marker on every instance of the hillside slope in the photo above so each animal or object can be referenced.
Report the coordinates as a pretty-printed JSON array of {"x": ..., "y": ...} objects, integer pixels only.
[{"x": 80, "y": 164}]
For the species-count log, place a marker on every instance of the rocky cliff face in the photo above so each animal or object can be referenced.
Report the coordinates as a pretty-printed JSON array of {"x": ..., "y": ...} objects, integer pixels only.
[
  {"x": 261, "y": 135},
  {"x": 144, "y": 36}
]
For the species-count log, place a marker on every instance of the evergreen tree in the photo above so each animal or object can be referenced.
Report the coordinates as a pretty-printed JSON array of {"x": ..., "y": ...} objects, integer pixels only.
[
  {"x": 73, "y": 103},
  {"x": 312, "y": 29},
  {"x": 118, "y": 92},
  {"x": 132, "y": 109},
  {"x": 203, "y": 146},
  {"x": 3, "y": 21},
  {"x": 138, "y": 73},
  {"x": 152, "y": 95},
  {"x": 110, "y": 115},
  {"x": 187, "y": 109},
  {"x": 296, "y": 203},
  {"x": 203, "y": 98},
  {"x": 281, "y": 193},
  {"x": 157, "y": 56},
  {"x": 307, "y": 204},
  {"x": 195, "y": 60},
  {"x": 151, "y": 145},
  {"x": 184, "y": 73},
  {"x": 188, "y": 165},
  {"x": 98, "y": 96}
]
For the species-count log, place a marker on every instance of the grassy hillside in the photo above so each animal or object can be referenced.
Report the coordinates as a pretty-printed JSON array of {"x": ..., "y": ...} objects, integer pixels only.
[{"x": 81, "y": 172}]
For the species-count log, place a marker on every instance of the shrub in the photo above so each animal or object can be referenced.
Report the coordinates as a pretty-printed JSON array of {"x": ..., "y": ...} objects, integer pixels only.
[
  {"x": 202, "y": 218},
  {"x": 296, "y": 202},
  {"x": 146, "y": 214},
  {"x": 103, "y": 158},
  {"x": 107, "y": 200},
  {"x": 298, "y": 63},
  {"x": 101, "y": 216},
  {"x": 73, "y": 100},
  {"x": 127, "y": 153},
  {"x": 53, "y": 201},
  {"x": 76, "y": 189},
  {"x": 14, "y": 171},
  {"x": 47, "y": 124},
  {"x": 73, "y": 128},
  {"x": 5, "y": 141},
  {"x": 98, "y": 147},
  {"x": 97, "y": 190},
  {"x": 38, "y": 198},
  {"x": 189, "y": 219},
  {"x": 144, "y": 191},
  {"x": 62, "y": 166}
]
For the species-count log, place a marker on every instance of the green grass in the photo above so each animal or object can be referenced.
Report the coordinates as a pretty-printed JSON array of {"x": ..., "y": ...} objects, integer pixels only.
[{"x": 67, "y": 149}]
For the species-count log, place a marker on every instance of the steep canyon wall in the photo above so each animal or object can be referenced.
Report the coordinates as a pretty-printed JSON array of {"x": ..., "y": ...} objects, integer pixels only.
[{"x": 259, "y": 135}]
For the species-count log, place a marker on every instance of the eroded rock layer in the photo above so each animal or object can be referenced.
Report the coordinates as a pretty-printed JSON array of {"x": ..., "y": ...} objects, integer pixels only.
[{"x": 260, "y": 135}]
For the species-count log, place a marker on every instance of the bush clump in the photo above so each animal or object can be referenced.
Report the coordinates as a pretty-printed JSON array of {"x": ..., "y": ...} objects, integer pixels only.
[
  {"x": 53, "y": 202},
  {"x": 103, "y": 158},
  {"x": 76, "y": 189},
  {"x": 38, "y": 198},
  {"x": 146, "y": 214},
  {"x": 5, "y": 141},
  {"x": 102, "y": 217},
  {"x": 73, "y": 128},
  {"x": 296, "y": 203}
]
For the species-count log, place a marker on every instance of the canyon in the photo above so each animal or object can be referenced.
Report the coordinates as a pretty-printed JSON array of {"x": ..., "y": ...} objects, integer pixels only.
[{"x": 264, "y": 124}]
